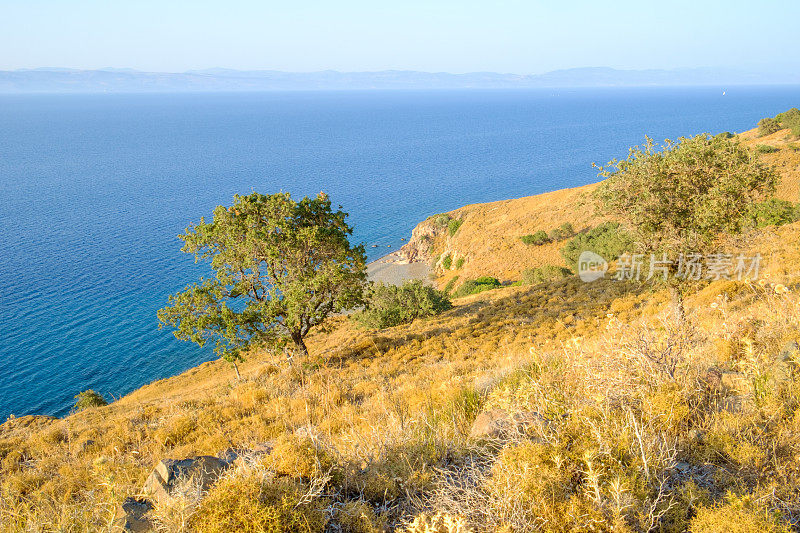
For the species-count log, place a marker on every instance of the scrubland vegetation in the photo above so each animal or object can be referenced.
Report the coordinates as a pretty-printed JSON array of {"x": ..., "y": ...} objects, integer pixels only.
[
  {"x": 611, "y": 410},
  {"x": 564, "y": 231},
  {"x": 391, "y": 305},
  {"x": 475, "y": 286},
  {"x": 787, "y": 120}
]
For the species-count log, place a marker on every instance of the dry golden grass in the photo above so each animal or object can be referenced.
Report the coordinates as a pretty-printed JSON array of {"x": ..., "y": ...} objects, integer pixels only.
[
  {"x": 390, "y": 406},
  {"x": 786, "y": 160},
  {"x": 489, "y": 238}
]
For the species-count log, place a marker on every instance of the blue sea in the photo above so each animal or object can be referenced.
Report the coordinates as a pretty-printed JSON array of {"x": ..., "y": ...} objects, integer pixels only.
[{"x": 94, "y": 190}]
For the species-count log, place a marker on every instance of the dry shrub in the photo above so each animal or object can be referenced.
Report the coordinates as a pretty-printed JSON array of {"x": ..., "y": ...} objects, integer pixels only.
[
  {"x": 253, "y": 500},
  {"x": 176, "y": 431},
  {"x": 358, "y": 517},
  {"x": 175, "y": 514},
  {"x": 438, "y": 523},
  {"x": 740, "y": 515},
  {"x": 299, "y": 457}
]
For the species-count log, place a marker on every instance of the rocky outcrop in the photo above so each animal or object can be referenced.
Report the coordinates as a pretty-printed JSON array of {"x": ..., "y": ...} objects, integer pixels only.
[
  {"x": 202, "y": 471},
  {"x": 419, "y": 247},
  {"x": 171, "y": 475}
]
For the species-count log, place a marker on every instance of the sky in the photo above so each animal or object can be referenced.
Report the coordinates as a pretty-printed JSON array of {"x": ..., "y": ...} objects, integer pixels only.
[{"x": 515, "y": 36}]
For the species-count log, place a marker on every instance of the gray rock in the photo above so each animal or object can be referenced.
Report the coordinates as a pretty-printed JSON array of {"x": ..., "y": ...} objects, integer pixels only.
[
  {"x": 132, "y": 516},
  {"x": 790, "y": 351},
  {"x": 85, "y": 445},
  {"x": 203, "y": 470}
]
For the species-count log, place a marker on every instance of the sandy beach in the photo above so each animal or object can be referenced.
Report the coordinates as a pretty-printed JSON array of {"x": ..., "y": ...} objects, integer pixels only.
[{"x": 392, "y": 269}]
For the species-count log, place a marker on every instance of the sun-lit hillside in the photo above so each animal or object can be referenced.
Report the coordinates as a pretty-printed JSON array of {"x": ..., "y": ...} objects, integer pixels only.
[
  {"x": 560, "y": 406},
  {"x": 488, "y": 240}
]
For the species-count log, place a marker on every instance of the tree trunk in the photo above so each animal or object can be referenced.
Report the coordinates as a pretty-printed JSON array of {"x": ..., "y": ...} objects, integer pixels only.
[
  {"x": 236, "y": 368},
  {"x": 299, "y": 344},
  {"x": 677, "y": 304}
]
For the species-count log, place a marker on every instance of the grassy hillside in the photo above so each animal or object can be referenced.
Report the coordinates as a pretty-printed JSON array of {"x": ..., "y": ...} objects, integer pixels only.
[
  {"x": 488, "y": 240},
  {"x": 611, "y": 414}
]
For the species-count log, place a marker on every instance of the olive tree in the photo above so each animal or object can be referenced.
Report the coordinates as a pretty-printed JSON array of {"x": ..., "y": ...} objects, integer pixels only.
[
  {"x": 683, "y": 196},
  {"x": 281, "y": 267}
]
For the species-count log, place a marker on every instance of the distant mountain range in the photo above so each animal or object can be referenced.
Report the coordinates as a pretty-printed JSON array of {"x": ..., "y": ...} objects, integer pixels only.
[{"x": 60, "y": 80}]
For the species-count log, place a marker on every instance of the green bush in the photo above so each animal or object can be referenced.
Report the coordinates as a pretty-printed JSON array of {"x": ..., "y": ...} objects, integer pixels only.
[
  {"x": 441, "y": 220},
  {"x": 774, "y": 212},
  {"x": 766, "y": 149},
  {"x": 459, "y": 263},
  {"x": 724, "y": 135},
  {"x": 536, "y": 239},
  {"x": 768, "y": 126},
  {"x": 390, "y": 305},
  {"x": 450, "y": 284},
  {"x": 533, "y": 276},
  {"x": 453, "y": 225},
  {"x": 609, "y": 240},
  {"x": 564, "y": 231},
  {"x": 447, "y": 262},
  {"x": 474, "y": 286},
  {"x": 790, "y": 119},
  {"x": 88, "y": 398}
]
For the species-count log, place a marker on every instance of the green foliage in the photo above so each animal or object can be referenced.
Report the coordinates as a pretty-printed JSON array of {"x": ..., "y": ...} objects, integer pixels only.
[
  {"x": 459, "y": 263},
  {"x": 790, "y": 119},
  {"x": 774, "y": 212},
  {"x": 442, "y": 220},
  {"x": 724, "y": 135},
  {"x": 447, "y": 262},
  {"x": 564, "y": 231},
  {"x": 609, "y": 240},
  {"x": 453, "y": 225},
  {"x": 281, "y": 268},
  {"x": 768, "y": 126},
  {"x": 787, "y": 120},
  {"x": 88, "y": 398},
  {"x": 536, "y": 239},
  {"x": 532, "y": 276},
  {"x": 450, "y": 284},
  {"x": 766, "y": 149},
  {"x": 474, "y": 286},
  {"x": 390, "y": 305},
  {"x": 684, "y": 195}
]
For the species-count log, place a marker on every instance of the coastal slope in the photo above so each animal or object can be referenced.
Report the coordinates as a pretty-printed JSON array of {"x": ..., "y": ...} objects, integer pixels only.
[
  {"x": 586, "y": 405},
  {"x": 488, "y": 240}
]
